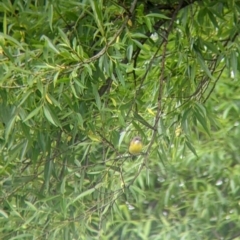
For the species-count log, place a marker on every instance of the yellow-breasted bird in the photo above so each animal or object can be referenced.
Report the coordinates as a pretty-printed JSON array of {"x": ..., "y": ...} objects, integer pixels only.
[{"x": 135, "y": 146}]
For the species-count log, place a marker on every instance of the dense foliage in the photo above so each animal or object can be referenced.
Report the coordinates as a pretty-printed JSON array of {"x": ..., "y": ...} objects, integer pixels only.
[{"x": 79, "y": 79}]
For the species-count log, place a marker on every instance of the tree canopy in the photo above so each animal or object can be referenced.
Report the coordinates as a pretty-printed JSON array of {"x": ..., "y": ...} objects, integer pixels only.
[{"x": 80, "y": 79}]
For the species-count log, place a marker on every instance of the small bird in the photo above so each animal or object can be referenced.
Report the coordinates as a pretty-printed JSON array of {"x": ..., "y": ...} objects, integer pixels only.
[{"x": 135, "y": 146}]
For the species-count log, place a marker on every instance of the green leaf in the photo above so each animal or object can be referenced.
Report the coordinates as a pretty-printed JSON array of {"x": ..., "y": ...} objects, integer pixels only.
[
  {"x": 138, "y": 35},
  {"x": 96, "y": 95},
  {"x": 85, "y": 193},
  {"x": 51, "y": 116},
  {"x": 148, "y": 23},
  {"x": 139, "y": 130},
  {"x": 25, "y": 97},
  {"x": 5, "y": 22},
  {"x": 129, "y": 52},
  {"x": 3, "y": 213},
  {"x": 12, "y": 40},
  {"x": 212, "y": 47},
  {"x": 157, "y": 15},
  {"x": 190, "y": 146},
  {"x": 10, "y": 124},
  {"x": 31, "y": 206},
  {"x": 24, "y": 150},
  {"x": 50, "y": 16},
  {"x": 204, "y": 66},
  {"x": 64, "y": 37},
  {"x": 142, "y": 120},
  {"x": 48, "y": 172},
  {"x": 33, "y": 113},
  {"x": 22, "y": 236},
  {"x": 62, "y": 188},
  {"x": 213, "y": 19},
  {"x": 120, "y": 76},
  {"x": 50, "y": 44},
  {"x": 200, "y": 117},
  {"x": 97, "y": 13},
  {"x": 139, "y": 44},
  {"x": 234, "y": 63}
]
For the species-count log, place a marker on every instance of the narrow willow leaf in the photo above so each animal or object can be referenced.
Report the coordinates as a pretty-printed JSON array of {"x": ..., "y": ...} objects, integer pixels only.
[
  {"x": 192, "y": 149},
  {"x": 148, "y": 23},
  {"x": 24, "y": 150},
  {"x": 50, "y": 44},
  {"x": 157, "y": 15},
  {"x": 97, "y": 13},
  {"x": 213, "y": 19},
  {"x": 47, "y": 172},
  {"x": 139, "y": 130},
  {"x": 96, "y": 95},
  {"x": 13, "y": 40},
  {"x": 32, "y": 207},
  {"x": 33, "y": 113},
  {"x": 142, "y": 120},
  {"x": 7, "y": 53},
  {"x": 120, "y": 76},
  {"x": 139, "y": 44},
  {"x": 52, "y": 100},
  {"x": 86, "y": 193},
  {"x": 212, "y": 47},
  {"x": 3, "y": 213},
  {"x": 50, "y": 16},
  {"x": 234, "y": 63},
  {"x": 55, "y": 78},
  {"x": 48, "y": 115},
  {"x": 73, "y": 90},
  {"x": 138, "y": 35},
  {"x": 204, "y": 66},
  {"x": 64, "y": 37},
  {"x": 22, "y": 236},
  {"x": 25, "y": 97},
  {"x": 201, "y": 120},
  {"x": 62, "y": 188},
  {"x": 5, "y": 22},
  {"x": 122, "y": 135},
  {"x": 9, "y": 126},
  {"x": 129, "y": 52},
  {"x": 51, "y": 116}
]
